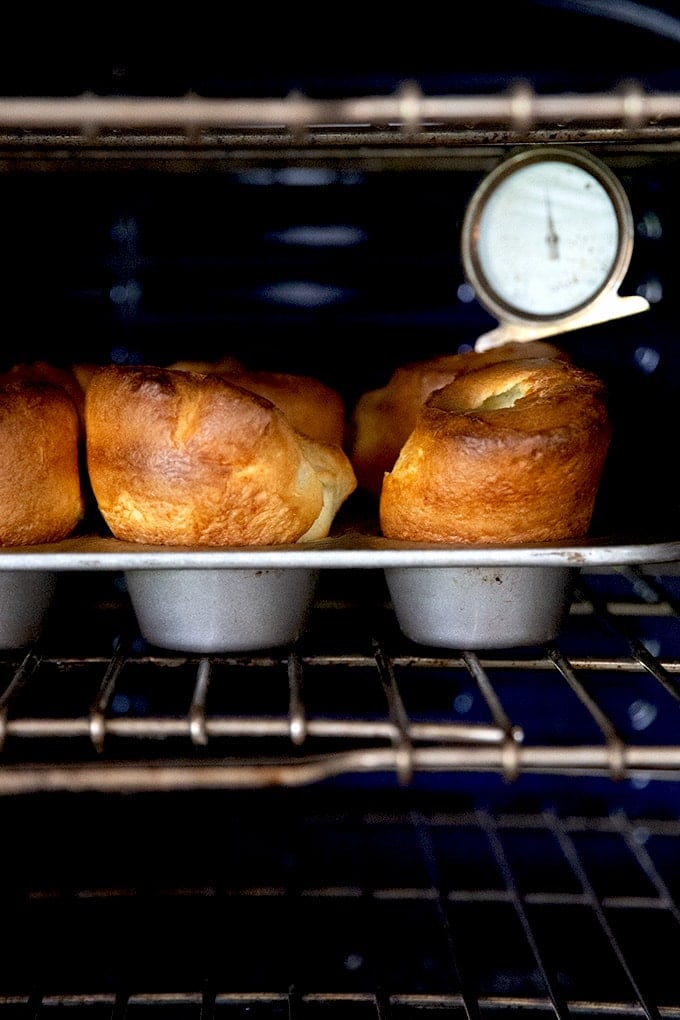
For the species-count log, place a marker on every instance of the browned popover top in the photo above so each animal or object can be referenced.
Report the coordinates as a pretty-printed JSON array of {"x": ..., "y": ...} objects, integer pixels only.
[
  {"x": 513, "y": 452},
  {"x": 184, "y": 458}
]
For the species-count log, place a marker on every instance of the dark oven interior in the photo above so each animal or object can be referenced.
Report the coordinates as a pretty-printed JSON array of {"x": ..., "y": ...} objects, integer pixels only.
[{"x": 354, "y": 825}]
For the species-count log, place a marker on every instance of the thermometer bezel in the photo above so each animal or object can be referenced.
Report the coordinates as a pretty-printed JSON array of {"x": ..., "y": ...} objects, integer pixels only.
[{"x": 486, "y": 292}]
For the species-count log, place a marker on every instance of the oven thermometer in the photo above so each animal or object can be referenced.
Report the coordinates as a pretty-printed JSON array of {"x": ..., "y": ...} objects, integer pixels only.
[{"x": 546, "y": 241}]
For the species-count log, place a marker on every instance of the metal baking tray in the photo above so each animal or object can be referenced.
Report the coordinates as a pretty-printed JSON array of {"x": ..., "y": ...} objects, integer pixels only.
[{"x": 208, "y": 599}]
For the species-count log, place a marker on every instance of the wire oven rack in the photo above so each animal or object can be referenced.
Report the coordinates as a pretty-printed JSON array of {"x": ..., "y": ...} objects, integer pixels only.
[
  {"x": 402, "y": 128},
  {"x": 353, "y": 697},
  {"x": 360, "y": 907}
]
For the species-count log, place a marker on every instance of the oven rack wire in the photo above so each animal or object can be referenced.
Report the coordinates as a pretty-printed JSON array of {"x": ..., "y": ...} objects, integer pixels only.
[
  {"x": 494, "y": 932},
  {"x": 352, "y": 698},
  {"x": 35, "y": 131}
]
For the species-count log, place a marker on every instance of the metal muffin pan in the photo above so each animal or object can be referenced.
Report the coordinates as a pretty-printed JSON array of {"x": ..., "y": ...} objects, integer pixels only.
[{"x": 240, "y": 599}]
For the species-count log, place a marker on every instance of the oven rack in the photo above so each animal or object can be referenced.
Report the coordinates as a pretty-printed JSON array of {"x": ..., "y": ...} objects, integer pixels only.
[
  {"x": 213, "y": 936},
  {"x": 85, "y": 131},
  {"x": 93, "y": 707}
]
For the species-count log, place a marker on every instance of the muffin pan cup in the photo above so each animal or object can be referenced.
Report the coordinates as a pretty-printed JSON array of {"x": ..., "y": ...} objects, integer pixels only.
[
  {"x": 230, "y": 610},
  {"x": 480, "y": 607},
  {"x": 25, "y": 597}
]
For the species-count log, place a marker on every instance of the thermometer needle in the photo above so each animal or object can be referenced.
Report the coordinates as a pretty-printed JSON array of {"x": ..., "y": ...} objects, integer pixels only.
[{"x": 552, "y": 236}]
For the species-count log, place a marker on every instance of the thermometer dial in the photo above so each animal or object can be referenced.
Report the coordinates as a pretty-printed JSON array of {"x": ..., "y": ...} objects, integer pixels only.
[{"x": 546, "y": 241}]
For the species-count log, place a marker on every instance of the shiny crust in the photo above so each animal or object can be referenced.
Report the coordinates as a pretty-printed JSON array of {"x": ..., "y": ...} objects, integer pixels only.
[
  {"x": 310, "y": 405},
  {"x": 382, "y": 419},
  {"x": 513, "y": 452},
  {"x": 185, "y": 458},
  {"x": 41, "y": 497}
]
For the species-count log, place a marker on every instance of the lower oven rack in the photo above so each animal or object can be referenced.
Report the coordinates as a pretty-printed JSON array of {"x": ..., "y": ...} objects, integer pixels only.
[{"x": 287, "y": 909}]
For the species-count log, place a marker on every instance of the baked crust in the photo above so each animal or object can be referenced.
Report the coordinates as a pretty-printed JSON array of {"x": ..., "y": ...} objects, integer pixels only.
[
  {"x": 310, "y": 405},
  {"x": 184, "y": 458},
  {"x": 382, "y": 419},
  {"x": 43, "y": 371},
  {"x": 41, "y": 496},
  {"x": 512, "y": 452}
]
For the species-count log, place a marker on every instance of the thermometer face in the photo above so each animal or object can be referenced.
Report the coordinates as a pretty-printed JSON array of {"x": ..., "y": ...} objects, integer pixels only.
[{"x": 546, "y": 234}]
